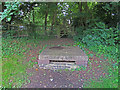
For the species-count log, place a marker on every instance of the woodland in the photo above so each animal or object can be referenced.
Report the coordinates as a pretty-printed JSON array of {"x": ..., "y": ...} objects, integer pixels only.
[{"x": 92, "y": 25}]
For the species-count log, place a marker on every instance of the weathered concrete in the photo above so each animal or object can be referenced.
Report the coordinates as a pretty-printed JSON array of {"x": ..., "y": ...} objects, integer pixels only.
[{"x": 60, "y": 57}]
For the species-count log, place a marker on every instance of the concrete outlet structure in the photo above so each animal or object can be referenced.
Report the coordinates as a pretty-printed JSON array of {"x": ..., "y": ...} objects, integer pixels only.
[{"x": 62, "y": 57}]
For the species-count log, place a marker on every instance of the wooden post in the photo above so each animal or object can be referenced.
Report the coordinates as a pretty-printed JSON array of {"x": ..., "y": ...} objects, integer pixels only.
[
  {"x": 8, "y": 27},
  {"x": 18, "y": 30}
]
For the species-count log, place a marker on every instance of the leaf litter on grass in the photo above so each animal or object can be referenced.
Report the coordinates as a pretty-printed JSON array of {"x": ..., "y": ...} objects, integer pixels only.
[{"x": 14, "y": 65}]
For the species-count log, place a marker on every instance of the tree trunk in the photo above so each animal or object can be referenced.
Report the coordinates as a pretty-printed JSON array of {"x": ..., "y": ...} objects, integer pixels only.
[
  {"x": 33, "y": 17},
  {"x": 53, "y": 21},
  {"x": 80, "y": 9},
  {"x": 80, "y": 6},
  {"x": 46, "y": 14},
  {"x": 118, "y": 15},
  {"x": 54, "y": 16},
  {"x": 86, "y": 9}
]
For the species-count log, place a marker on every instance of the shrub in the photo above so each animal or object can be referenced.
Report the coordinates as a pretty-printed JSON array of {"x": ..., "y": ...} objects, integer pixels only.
[{"x": 97, "y": 36}]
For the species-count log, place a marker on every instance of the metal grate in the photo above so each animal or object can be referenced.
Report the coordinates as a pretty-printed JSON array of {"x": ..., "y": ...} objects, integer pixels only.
[{"x": 61, "y": 61}]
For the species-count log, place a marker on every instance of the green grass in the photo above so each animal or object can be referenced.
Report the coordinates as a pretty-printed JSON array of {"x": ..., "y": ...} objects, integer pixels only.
[
  {"x": 13, "y": 71},
  {"x": 111, "y": 80},
  {"x": 13, "y": 60},
  {"x": 104, "y": 82}
]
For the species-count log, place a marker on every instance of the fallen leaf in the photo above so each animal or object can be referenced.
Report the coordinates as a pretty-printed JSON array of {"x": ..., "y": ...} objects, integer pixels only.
[{"x": 36, "y": 69}]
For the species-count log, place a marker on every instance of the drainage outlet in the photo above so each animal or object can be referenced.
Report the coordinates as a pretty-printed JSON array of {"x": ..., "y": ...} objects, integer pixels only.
[
  {"x": 61, "y": 64},
  {"x": 59, "y": 57}
]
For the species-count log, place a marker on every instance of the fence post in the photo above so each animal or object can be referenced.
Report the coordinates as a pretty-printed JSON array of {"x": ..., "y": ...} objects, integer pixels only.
[
  {"x": 8, "y": 27},
  {"x": 18, "y": 30}
]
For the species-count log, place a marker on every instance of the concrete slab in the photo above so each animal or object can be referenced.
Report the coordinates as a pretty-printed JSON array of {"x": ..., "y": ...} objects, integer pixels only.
[{"x": 62, "y": 57}]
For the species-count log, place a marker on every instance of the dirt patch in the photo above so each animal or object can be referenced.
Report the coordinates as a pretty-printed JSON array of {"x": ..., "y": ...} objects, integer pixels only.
[{"x": 53, "y": 79}]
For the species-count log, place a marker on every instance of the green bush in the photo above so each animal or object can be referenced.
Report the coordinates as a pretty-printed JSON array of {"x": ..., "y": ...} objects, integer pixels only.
[
  {"x": 100, "y": 37},
  {"x": 79, "y": 33},
  {"x": 97, "y": 35},
  {"x": 102, "y": 41}
]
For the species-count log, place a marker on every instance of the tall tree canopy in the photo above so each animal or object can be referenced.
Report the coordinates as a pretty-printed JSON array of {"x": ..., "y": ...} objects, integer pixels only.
[{"x": 78, "y": 14}]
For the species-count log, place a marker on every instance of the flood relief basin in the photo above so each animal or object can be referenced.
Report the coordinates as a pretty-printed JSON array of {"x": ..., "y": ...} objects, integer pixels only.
[{"x": 62, "y": 57}]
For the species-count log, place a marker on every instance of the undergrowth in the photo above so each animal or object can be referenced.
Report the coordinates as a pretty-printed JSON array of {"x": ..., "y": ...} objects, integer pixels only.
[{"x": 102, "y": 42}]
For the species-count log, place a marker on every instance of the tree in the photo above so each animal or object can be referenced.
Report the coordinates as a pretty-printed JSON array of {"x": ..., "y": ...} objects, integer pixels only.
[
  {"x": 54, "y": 10},
  {"x": 109, "y": 12},
  {"x": 10, "y": 9}
]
